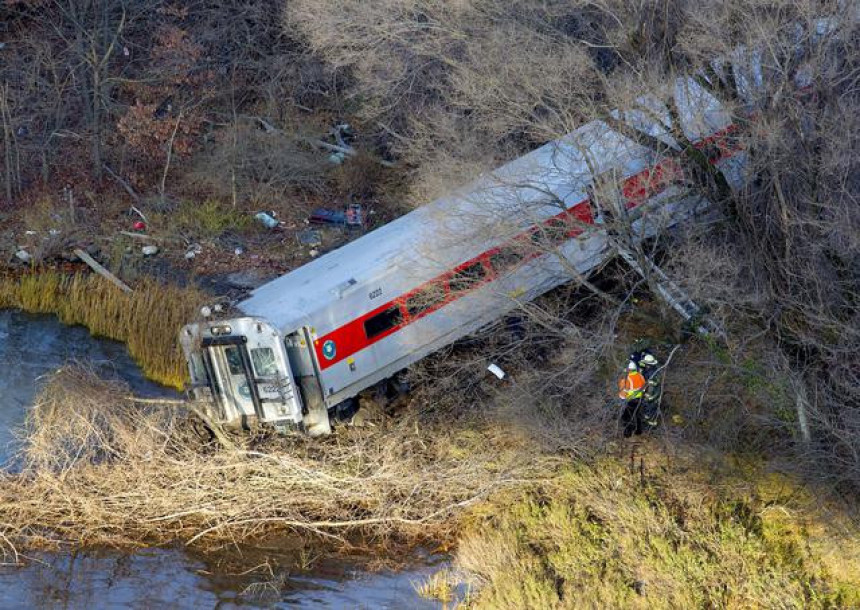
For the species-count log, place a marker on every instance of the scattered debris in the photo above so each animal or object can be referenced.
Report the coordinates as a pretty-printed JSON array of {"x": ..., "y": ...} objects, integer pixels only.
[
  {"x": 23, "y": 256},
  {"x": 323, "y": 216},
  {"x": 344, "y": 134},
  {"x": 496, "y": 370},
  {"x": 247, "y": 280},
  {"x": 139, "y": 226},
  {"x": 149, "y": 250},
  {"x": 337, "y": 158},
  {"x": 309, "y": 237},
  {"x": 354, "y": 215},
  {"x": 268, "y": 219},
  {"x": 314, "y": 253},
  {"x": 193, "y": 250},
  {"x": 239, "y": 251}
]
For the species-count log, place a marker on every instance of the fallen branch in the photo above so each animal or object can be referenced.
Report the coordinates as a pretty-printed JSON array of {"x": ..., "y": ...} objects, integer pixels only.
[
  {"x": 96, "y": 464},
  {"x": 125, "y": 185},
  {"x": 95, "y": 266},
  {"x": 216, "y": 429}
]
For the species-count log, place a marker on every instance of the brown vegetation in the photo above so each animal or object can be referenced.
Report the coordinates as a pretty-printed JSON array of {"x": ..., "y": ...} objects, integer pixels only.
[
  {"x": 98, "y": 468},
  {"x": 651, "y": 535},
  {"x": 147, "y": 321},
  {"x": 227, "y": 105},
  {"x": 470, "y": 84}
]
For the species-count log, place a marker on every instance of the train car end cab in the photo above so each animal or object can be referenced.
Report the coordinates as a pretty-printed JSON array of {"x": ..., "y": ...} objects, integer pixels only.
[{"x": 242, "y": 368}]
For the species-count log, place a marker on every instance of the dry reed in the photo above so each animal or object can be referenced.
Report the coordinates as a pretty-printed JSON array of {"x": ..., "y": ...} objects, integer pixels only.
[
  {"x": 96, "y": 468},
  {"x": 147, "y": 321}
]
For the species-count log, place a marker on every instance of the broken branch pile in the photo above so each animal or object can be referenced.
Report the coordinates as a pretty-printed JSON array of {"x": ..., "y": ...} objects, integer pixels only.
[{"x": 96, "y": 468}]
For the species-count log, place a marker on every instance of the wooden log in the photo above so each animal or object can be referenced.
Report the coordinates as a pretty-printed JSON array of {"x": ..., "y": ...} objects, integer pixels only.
[{"x": 95, "y": 266}]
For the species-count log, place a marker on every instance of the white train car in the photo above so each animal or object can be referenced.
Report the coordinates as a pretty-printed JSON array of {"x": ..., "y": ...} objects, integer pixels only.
[{"x": 322, "y": 333}]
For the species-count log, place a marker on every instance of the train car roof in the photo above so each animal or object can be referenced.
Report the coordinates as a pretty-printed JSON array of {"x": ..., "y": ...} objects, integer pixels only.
[
  {"x": 428, "y": 240},
  {"x": 439, "y": 235}
]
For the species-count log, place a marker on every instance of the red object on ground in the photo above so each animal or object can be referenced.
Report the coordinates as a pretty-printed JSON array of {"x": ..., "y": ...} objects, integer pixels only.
[{"x": 139, "y": 226}]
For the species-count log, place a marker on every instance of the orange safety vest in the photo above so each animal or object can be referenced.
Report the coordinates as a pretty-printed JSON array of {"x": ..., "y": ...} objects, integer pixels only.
[{"x": 632, "y": 386}]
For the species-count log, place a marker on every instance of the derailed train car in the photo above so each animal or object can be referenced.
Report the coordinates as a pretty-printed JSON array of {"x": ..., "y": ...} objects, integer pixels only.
[{"x": 322, "y": 333}]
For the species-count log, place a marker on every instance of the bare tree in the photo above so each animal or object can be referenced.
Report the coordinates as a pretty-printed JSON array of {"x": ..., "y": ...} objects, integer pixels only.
[{"x": 476, "y": 83}]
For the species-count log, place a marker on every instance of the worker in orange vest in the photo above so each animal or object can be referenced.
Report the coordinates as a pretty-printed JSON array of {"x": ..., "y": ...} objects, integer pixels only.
[{"x": 631, "y": 389}]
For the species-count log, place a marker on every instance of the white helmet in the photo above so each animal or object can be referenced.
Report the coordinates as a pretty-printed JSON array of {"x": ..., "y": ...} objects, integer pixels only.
[
  {"x": 631, "y": 366},
  {"x": 648, "y": 360}
]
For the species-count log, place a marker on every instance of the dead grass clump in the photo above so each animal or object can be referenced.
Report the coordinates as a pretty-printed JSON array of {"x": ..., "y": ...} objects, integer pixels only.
[
  {"x": 147, "y": 321},
  {"x": 440, "y": 586},
  {"x": 95, "y": 467},
  {"x": 609, "y": 536}
]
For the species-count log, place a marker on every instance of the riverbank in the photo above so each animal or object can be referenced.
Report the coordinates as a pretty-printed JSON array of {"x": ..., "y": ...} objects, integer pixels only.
[
  {"x": 147, "y": 320},
  {"x": 98, "y": 468},
  {"x": 636, "y": 524}
]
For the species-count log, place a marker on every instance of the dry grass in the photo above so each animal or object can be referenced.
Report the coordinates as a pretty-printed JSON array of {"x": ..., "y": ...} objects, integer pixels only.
[
  {"x": 98, "y": 469},
  {"x": 441, "y": 586},
  {"x": 147, "y": 321},
  {"x": 608, "y": 536}
]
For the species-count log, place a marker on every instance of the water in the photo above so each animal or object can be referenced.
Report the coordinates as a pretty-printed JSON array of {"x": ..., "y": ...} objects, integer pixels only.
[{"x": 33, "y": 346}]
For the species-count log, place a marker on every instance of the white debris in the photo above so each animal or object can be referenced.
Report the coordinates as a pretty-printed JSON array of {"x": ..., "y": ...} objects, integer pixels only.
[
  {"x": 267, "y": 219},
  {"x": 149, "y": 250},
  {"x": 23, "y": 256},
  {"x": 495, "y": 370}
]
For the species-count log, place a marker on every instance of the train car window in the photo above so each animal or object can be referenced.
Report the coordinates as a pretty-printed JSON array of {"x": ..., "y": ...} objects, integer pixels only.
[
  {"x": 234, "y": 360},
  {"x": 198, "y": 369},
  {"x": 467, "y": 277},
  {"x": 263, "y": 359},
  {"x": 382, "y": 322},
  {"x": 425, "y": 299},
  {"x": 506, "y": 258},
  {"x": 557, "y": 231},
  {"x": 713, "y": 152}
]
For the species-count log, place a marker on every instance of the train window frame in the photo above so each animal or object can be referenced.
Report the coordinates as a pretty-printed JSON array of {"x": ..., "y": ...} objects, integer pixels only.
[
  {"x": 380, "y": 323},
  {"x": 462, "y": 280},
  {"x": 233, "y": 358},
  {"x": 505, "y": 259},
  {"x": 199, "y": 374},
  {"x": 426, "y": 299},
  {"x": 264, "y": 370}
]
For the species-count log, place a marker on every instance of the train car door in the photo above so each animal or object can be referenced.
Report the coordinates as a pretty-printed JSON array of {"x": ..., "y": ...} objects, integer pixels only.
[{"x": 231, "y": 367}]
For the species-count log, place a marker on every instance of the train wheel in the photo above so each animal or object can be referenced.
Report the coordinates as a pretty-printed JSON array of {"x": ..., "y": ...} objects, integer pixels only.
[{"x": 345, "y": 410}]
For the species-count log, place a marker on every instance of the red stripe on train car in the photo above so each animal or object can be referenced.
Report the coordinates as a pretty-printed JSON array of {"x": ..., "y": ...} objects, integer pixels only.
[{"x": 352, "y": 337}]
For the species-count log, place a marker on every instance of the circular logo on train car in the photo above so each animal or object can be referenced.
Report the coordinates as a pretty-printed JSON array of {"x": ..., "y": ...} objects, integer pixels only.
[{"x": 329, "y": 350}]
